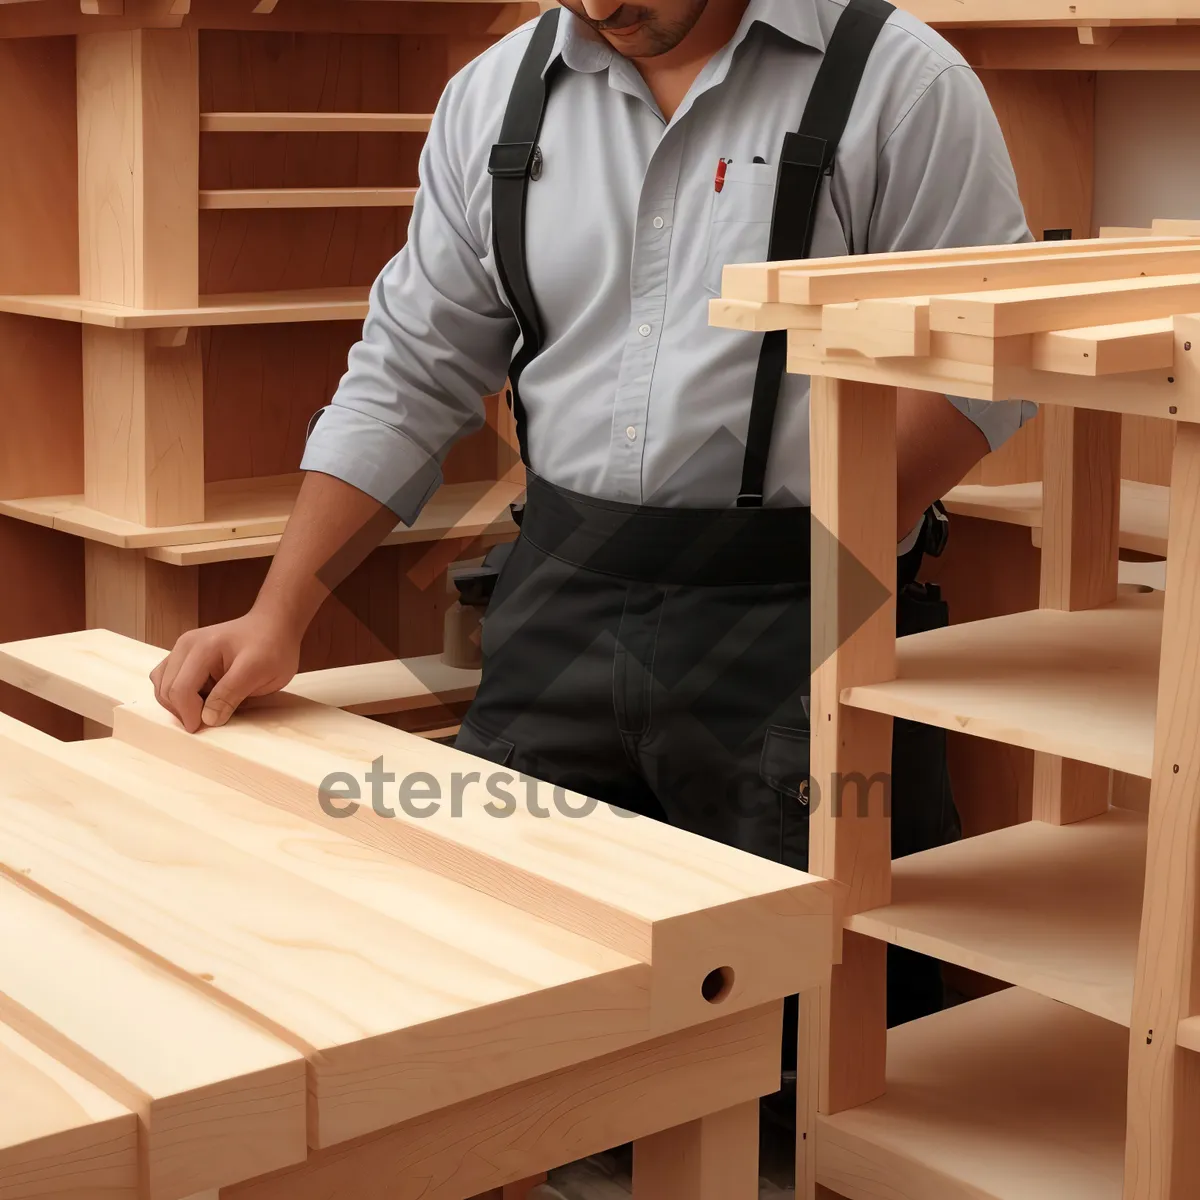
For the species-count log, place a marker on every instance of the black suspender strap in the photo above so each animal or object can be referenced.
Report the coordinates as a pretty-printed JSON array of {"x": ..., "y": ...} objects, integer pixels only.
[
  {"x": 514, "y": 161},
  {"x": 807, "y": 158}
]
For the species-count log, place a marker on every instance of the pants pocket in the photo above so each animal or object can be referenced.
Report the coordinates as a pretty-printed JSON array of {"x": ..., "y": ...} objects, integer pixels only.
[
  {"x": 490, "y": 747},
  {"x": 784, "y": 765}
]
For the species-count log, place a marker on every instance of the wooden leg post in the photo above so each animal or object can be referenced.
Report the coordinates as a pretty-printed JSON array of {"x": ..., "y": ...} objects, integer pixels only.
[
  {"x": 1162, "y": 1157},
  {"x": 1080, "y": 527},
  {"x": 714, "y": 1158},
  {"x": 853, "y": 438}
]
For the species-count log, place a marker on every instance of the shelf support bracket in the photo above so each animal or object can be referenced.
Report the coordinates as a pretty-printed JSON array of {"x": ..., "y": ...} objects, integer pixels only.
[{"x": 1100, "y": 36}]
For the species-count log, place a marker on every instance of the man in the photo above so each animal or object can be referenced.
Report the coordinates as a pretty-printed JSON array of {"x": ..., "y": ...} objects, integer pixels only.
[{"x": 582, "y": 185}]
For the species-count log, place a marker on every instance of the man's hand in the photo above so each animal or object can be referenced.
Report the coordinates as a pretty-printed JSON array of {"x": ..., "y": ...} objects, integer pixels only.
[
  {"x": 253, "y": 656},
  {"x": 333, "y": 527}
]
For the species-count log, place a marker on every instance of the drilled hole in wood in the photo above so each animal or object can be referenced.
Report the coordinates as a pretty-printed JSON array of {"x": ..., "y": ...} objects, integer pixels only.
[{"x": 717, "y": 985}]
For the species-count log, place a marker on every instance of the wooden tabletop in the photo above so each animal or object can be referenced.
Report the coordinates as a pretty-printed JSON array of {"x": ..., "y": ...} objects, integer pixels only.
[{"x": 213, "y": 971}]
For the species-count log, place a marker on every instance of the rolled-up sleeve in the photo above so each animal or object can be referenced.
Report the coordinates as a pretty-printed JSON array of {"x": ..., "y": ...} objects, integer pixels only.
[
  {"x": 946, "y": 180},
  {"x": 437, "y": 338}
]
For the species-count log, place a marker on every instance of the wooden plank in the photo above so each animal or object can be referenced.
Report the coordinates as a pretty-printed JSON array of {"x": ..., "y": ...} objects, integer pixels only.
[
  {"x": 1177, "y": 228},
  {"x": 64, "y": 1137},
  {"x": 1106, "y": 349},
  {"x": 1080, "y": 528},
  {"x": 404, "y": 685},
  {"x": 712, "y": 1158},
  {"x": 95, "y": 670},
  {"x": 754, "y": 317},
  {"x": 314, "y": 304},
  {"x": 558, "y": 1118},
  {"x": 1032, "y": 12},
  {"x": 217, "y": 1099},
  {"x": 139, "y": 161},
  {"x": 972, "y": 1092},
  {"x": 314, "y": 122},
  {"x": 853, "y": 431},
  {"x": 1083, "y": 685},
  {"x": 856, "y": 283},
  {"x": 238, "y": 509},
  {"x": 391, "y": 1009},
  {"x": 143, "y": 428},
  {"x": 744, "y": 916},
  {"x": 759, "y": 282},
  {"x": 1045, "y": 309},
  {"x": 1161, "y": 1159},
  {"x": 1144, "y": 510},
  {"x": 876, "y": 329},
  {"x": 1054, "y": 910},
  {"x": 348, "y": 197}
]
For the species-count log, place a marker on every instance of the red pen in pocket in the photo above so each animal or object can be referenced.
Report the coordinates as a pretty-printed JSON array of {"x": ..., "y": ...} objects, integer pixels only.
[{"x": 719, "y": 178}]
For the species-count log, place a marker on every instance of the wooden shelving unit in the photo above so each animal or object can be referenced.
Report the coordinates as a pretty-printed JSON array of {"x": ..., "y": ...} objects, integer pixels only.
[
  {"x": 1009, "y": 1097},
  {"x": 200, "y": 195}
]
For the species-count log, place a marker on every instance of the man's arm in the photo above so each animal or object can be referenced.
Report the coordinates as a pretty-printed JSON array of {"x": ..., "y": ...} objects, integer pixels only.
[
  {"x": 437, "y": 338},
  {"x": 946, "y": 179}
]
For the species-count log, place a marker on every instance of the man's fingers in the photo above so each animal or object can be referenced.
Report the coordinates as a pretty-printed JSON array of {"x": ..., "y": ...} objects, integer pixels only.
[
  {"x": 230, "y": 690},
  {"x": 183, "y": 692}
]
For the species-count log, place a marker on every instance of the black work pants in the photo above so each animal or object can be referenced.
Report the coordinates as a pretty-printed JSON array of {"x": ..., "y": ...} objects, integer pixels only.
[{"x": 688, "y": 705}]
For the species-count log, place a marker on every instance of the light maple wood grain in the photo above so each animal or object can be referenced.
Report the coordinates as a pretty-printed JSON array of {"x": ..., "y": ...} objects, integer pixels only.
[
  {"x": 138, "y": 153},
  {"x": 217, "y": 1100},
  {"x": 1081, "y": 685},
  {"x": 143, "y": 412},
  {"x": 1161, "y": 1161},
  {"x": 391, "y": 1009},
  {"x": 713, "y": 1158},
  {"x": 1055, "y": 910},
  {"x": 853, "y": 637},
  {"x": 1010, "y": 1097},
  {"x": 65, "y": 1137},
  {"x": 557, "y": 1119}
]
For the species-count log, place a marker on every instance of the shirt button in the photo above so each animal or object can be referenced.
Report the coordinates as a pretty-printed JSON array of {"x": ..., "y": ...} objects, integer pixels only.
[
  {"x": 658, "y": 222},
  {"x": 644, "y": 330},
  {"x": 631, "y": 433}
]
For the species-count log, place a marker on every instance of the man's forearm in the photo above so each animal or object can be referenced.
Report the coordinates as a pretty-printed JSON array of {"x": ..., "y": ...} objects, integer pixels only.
[
  {"x": 333, "y": 527},
  {"x": 935, "y": 447}
]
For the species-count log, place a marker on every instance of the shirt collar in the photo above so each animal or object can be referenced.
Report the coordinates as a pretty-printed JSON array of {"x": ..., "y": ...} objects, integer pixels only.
[{"x": 584, "y": 50}]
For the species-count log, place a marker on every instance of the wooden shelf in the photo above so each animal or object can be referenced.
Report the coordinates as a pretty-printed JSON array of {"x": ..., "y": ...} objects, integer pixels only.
[
  {"x": 257, "y": 510},
  {"x": 347, "y": 197},
  {"x": 1055, "y": 909},
  {"x": 1050, "y": 13},
  {"x": 252, "y": 308},
  {"x": 314, "y": 122},
  {"x": 1012, "y": 1097},
  {"x": 1145, "y": 508},
  {"x": 1083, "y": 685},
  {"x": 93, "y": 671}
]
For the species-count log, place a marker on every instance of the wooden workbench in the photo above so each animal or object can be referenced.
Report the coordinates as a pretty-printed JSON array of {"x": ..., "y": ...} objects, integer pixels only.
[
  {"x": 1079, "y": 1082},
  {"x": 221, "y": 972}
]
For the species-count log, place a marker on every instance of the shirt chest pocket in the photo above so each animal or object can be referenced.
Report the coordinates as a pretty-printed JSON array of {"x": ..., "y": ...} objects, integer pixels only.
[{"x": 739, "y": 228}]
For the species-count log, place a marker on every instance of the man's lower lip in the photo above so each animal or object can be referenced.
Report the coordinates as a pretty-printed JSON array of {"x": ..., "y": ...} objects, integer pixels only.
[{"x": 625, "y": 30}]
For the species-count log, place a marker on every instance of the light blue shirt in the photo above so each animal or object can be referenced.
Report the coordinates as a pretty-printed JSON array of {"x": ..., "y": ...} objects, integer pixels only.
[{"x": 635, "y": 397}]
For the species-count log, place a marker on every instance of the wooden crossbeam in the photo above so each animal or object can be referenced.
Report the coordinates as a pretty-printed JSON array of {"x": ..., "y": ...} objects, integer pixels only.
[
  {"x": 1046, "y": 309},
  {"x": 840, "y": 285},
  {"x": 1184, "y": 228},
  {"x": 1106, "y": 349},
  {"x": 876, "y": 329},
  {"x": 760, "y": 281},
  {"x": 753, "y": 317}
]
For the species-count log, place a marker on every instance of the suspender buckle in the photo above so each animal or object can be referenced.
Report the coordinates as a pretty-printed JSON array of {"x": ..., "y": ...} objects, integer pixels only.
[{"x": 515, "y": 160}]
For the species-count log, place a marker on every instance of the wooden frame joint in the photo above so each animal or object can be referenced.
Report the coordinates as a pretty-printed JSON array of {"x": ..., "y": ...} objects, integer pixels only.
[{"x": 175, "y": 337}]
